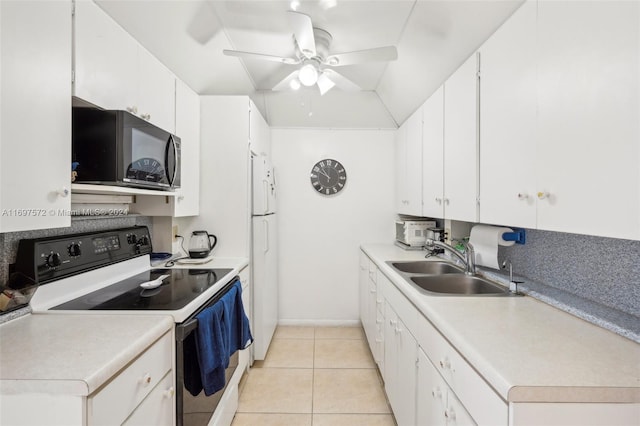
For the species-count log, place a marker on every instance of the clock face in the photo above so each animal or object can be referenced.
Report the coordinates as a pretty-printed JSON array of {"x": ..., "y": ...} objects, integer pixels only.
[
  {"x": 146, "y": 169},
  {"x": 328, "y": 177}
]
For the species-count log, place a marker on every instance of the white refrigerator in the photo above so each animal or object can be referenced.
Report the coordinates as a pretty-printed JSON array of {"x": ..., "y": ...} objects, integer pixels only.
[{"x": 264, "y": 255}]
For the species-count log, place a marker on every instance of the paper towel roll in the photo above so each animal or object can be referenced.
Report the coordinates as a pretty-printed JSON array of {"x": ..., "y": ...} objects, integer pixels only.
[{"x": 485, "y": 240}]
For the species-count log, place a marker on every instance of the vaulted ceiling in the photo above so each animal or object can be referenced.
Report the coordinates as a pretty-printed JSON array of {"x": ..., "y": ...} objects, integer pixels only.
[{"x": 433, "y": 37}]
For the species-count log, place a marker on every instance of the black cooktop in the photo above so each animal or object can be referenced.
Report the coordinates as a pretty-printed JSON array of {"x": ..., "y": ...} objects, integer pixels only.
[{"x": 180, "y": 288}]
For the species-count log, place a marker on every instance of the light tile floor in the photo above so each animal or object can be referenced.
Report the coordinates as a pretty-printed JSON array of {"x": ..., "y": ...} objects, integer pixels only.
[{"x": 314, "y": 376}]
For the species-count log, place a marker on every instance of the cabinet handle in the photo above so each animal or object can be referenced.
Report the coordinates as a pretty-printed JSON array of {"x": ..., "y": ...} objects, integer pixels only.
[
  {"x": 392, "y": 322},
  {"x": 169, "y": 393},
  {"x": 379, "y": 321},
  {"x": 436, "y": 392},
  {"x": 63, "y": 192},
  {"x": 446, "y": 201},
  {"x": 372, "y": 290},
  {"x": 378, "y": 340},
  {"x": 450, "y": 414},
  {"x": 145, "y": 116},
  {"x": 542, "y": 195},
  {"x": 522, "y": 196},
  {"x": 180, "y": 197},
  {"x": 379, "y": 301},
  {"x": 132, "y": 109},
  {"x": 445, "y": 363},
  {"x": 438, "y": 200},
  {"x": 398, "y": 330},
  {"x": 145, "y": 380}
]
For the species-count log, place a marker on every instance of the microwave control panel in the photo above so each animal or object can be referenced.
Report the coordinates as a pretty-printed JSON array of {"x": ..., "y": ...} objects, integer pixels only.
[{"x": 51, "y": 258}]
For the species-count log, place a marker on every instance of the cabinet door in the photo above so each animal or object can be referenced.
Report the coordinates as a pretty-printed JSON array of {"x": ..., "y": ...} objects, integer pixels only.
[
  {"x": 431, "y": 394},
  {"x": 363, "y": 289},
  {"x": 158, "y": 407},
  {"x": 433, "y": 155},
  {"x": 405, "y": 401},
  {"x": 409, "y": 165},
  {"x": 106, "y": 59},
  {"x": 188, "y": 130},
  {"x": 390, "y": 373},
  {"x": 402, "y": 195},
  {"x": 460, "y": 142},
  {"x": 588, "y": 109},
  {"x": 156, "y": 92},
  {"x": 35, "y": 155},
  {"x": 508, "y": 122}
]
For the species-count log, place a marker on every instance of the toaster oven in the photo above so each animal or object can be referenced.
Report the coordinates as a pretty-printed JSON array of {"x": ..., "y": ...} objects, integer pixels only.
[{"x": 413, "y": 232}]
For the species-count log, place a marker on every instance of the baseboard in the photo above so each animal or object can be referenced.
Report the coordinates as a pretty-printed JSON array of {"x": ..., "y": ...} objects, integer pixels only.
[{"x": 319, "y": 322}]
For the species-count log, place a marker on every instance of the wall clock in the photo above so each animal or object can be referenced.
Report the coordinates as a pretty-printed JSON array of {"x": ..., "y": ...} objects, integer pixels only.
[{"x": 328, "y": 177}]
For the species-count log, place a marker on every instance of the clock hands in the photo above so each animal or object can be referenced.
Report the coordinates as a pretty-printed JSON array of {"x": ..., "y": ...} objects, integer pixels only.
[{"x": 325, "y": 173}]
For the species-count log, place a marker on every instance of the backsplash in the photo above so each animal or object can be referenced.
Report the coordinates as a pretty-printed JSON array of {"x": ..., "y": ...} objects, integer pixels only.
[
  {"x": 9, "y": 240},
  {"x": 602, "y": 270}
]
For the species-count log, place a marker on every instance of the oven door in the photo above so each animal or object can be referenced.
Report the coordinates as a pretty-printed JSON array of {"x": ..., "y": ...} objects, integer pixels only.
[
  {"x": 196, "y": 410},
  {"x": 150, "y": 155}
]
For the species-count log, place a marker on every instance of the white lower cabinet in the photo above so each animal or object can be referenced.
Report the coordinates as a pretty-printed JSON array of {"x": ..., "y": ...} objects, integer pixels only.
[
  {"x": 436, "y": 404},
  {"x": 158, "y": 408},
  {"x": 400, "y": 368},
  {"x": 371, "y": 309},
  {"x": 126, "y": 393}
]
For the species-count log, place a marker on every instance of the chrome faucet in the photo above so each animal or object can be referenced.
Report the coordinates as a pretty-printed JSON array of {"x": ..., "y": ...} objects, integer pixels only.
[{"x": 468, "y": 258}]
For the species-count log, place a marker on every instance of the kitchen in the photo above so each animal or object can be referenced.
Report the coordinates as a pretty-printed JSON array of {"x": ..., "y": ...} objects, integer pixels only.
[{"x": 575, "y": 245}]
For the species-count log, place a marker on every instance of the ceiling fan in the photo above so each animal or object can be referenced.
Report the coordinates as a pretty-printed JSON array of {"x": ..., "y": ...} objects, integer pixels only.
[{"x": 315, "y": 61}]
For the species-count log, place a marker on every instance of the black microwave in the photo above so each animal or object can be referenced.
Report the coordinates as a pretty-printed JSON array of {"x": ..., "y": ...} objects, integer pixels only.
[{"x": 114, "y": 147}]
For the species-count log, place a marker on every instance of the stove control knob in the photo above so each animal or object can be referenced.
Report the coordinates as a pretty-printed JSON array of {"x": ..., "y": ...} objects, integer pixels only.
[
  {"x": 144, "y": 240},
  {"x": 132, "y": 239},
  {"x": 54, "y": 260},
  {"x": 74, "y": 250}
]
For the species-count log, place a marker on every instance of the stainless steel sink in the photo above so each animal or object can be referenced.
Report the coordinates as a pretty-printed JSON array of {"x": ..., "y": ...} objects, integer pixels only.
[
  {"x": 458, "y": 284},
  {"x": 426, "y": 267}
]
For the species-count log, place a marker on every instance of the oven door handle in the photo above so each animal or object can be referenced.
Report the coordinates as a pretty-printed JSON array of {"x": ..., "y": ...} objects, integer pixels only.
[{"x": 183, "y": 330}]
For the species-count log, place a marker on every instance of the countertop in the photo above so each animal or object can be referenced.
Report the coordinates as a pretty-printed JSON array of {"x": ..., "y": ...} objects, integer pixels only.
[
  {"x": 526, "y": 350},
  {"x": 72, "y": 354}
]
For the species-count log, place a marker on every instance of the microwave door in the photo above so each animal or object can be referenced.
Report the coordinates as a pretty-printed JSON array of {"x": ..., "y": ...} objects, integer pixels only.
[{"x": 172, "y": 161}]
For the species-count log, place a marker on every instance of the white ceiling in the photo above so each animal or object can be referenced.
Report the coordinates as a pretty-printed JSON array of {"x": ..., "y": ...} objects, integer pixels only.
[{"x": 433, "y": 38}]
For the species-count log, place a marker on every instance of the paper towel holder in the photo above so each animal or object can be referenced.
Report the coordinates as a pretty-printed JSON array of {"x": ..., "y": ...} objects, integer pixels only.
[{"x": 518, "y": 235}]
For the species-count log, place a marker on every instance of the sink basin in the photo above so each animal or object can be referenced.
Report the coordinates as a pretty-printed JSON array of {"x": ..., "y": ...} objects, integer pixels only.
[
  {"x": 458, "y": 284},
  {"x": 426, "y": 267}
]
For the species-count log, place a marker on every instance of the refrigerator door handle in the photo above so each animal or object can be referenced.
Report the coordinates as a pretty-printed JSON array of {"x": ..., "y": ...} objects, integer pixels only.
[
  {"x": 265, "y": 188},
  {"x": 266, "y": 235}
]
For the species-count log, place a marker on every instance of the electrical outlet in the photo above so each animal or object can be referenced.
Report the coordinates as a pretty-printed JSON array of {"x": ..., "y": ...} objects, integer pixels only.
[{"x": 174, "y": 230}]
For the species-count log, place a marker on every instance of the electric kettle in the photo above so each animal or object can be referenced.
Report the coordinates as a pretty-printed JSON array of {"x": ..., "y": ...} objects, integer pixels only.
[{"x": 200, "y": 244}]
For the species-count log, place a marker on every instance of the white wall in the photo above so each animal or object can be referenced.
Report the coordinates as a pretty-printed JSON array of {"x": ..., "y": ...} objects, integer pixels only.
[
  {"x": 224, "y": 176},
  {"x": 319, "y": 237}
]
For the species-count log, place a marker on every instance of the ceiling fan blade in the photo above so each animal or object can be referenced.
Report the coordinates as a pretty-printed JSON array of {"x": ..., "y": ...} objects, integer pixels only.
[
  {"x": 303, "y": 30},
  {"x": 250, "y": 55},
  {"x": 387, "y": 53},
  {"x": 342, "y": 82},
  {"x": 285, "y": 83},
  {"x": 324, "y": 83}
]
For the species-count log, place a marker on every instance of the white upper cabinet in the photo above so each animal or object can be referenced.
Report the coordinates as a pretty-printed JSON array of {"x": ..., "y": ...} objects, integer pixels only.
[
  {"x": 433, "y": 155},
  {"x": 409, "y": 165},
  {"x": 588, "y": 115},
  {"x": 113, "y": 71},
  {"x": 187, "y": 201},
  {"x": 460, "y": 142},
  {"x": 35, "y": 155},
  {"x": 508, "y": 122}
]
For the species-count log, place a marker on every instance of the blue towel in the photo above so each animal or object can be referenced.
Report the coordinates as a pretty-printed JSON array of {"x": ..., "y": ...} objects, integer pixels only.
[{"x": 222, "y": 329}]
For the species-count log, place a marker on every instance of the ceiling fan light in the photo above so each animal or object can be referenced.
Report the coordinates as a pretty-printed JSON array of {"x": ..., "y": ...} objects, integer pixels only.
[
  {"x": 308, "y": 75},
  {"x": 294, "y": 84}
]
